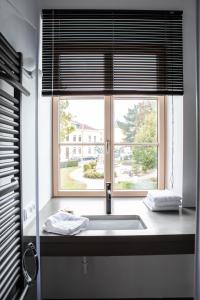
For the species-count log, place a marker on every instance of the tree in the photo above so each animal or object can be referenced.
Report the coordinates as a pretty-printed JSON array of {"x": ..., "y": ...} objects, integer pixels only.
[
  {"x": 139, "y": 126},
  {"x": 146, "y": 133},
  {"x": 145, "y": 157},
  {"x": 133, "y": 120},
  {"x": 65, "y": 117}
]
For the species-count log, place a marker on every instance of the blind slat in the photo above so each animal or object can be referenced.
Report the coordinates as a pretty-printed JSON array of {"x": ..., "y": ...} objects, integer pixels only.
[{"x": 112, "y": 52}]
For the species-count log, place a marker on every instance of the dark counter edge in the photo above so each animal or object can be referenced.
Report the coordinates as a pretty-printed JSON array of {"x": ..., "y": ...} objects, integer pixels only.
[
  {"x": 115, "y": 245},
  {"x": 177, "y": 298}
]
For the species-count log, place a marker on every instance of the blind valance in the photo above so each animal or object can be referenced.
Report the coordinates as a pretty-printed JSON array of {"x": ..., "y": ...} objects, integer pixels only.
[{"x": 112, "y": 52}]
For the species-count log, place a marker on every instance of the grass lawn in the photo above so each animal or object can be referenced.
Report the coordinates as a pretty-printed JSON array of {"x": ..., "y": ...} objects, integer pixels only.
[
  {"x": 142, "y": 185},
  {"x": 67, "y": 183}
]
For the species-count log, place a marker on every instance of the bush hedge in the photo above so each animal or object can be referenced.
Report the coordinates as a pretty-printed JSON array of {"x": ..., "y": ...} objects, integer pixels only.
[
  {"x": 93, "y": 174},
  {"x": 69, "y": 163}
]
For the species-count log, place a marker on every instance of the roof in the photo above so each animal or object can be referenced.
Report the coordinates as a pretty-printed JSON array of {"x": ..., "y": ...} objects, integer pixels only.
[{"x": 83, "y": 126}]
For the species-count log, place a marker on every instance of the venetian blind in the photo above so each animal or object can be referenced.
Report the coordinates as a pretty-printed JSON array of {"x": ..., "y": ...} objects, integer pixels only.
[{"x": 112, "y": 52}]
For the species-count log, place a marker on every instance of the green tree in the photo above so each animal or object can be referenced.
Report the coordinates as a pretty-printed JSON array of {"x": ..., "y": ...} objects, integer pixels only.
[
  {"x": 146, "y": 133},
  {"x": 65, "y": 117},
  {"x": 139, "y": 126},
  {"x": 145, "y": 157},
  {"x": 133, "y": 120}
]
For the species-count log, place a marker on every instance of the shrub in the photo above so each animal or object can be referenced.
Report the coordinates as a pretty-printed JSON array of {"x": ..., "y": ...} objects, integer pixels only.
[
  {"x": 86, "y": 167},
  {"x": 90, "y": 173},
  {"x": 69, "y": 163},
  {"x": 90, "y": 166},
  {"x": 126, "y": 185},
  {"x": 93, "y": 164},
  {"x": 72, "y": 163}
]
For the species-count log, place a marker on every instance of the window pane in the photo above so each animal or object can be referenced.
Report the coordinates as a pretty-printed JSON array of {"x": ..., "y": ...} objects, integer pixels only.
[
  {"x": 80, "y": 122},
  {"x": 81, "y": 167},
  {"x": 135, "y": 121},
  {"x": 135, "y": 167}
]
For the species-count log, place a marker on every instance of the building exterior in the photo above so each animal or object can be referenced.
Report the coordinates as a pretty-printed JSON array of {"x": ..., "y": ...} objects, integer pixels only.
[{"x": 84, "y": 143}]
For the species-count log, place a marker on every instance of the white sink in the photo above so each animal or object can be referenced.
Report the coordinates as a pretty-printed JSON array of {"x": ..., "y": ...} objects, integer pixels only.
[{"x": 115, "y": 222}]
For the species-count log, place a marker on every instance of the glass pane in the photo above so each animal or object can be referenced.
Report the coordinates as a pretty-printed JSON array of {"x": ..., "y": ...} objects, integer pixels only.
[
  {"x": 81, "y": 167},
  {"x": 135, "y": 167},
  {"x": 79, "y": 121},
  {"x": 135, "y": 120}
]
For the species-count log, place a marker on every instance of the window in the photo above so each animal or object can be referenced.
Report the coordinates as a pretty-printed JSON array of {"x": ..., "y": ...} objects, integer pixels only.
[
  {"x": 79, "y": 138},
  {"x": 74, "y": 150},
  {"x": 74, "y": 138},
  {"x": 128, "y": 149},
  {"x": 67, "y": 152},
  {"x": 85, "y": 167}
]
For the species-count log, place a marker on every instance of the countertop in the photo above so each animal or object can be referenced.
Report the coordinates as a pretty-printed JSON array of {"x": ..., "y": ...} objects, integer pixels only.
[{"x": 166, "y": 232}]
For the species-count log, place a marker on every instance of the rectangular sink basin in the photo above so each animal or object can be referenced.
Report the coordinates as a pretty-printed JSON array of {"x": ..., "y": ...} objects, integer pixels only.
[{"x": 115, "y": 222}]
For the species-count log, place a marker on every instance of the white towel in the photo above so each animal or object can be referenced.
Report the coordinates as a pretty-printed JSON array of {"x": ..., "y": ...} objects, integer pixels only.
[
  {"x": 155, "y": 207},
  {"x": 65, "y": 223},
  {"x": 164, "y": 197},
  {"x": 164, "y": 202}
]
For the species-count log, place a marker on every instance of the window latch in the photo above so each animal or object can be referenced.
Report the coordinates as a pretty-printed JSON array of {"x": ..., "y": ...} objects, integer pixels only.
[{"x": 107, "y": 146}]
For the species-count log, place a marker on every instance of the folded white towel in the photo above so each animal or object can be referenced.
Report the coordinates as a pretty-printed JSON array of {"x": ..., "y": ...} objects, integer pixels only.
[
  {"x": 164, "y": 197},
  {"x": 65, "y": 223},
  {"x": 155, "y": 207},
  {"x": 164, "y": 202}
]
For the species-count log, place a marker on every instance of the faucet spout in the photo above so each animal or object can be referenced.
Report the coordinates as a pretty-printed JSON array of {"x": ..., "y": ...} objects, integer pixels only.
[{"x": 108, "y": 198}]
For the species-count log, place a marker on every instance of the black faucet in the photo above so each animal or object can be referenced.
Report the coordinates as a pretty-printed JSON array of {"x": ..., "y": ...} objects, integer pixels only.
[{"x": 108, "y": 198}]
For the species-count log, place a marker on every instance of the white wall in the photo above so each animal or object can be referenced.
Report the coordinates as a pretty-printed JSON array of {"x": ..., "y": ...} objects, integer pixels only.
[
  {"x": 19, "y": 26},
  {"x": 44, "y": 141},
  {"x": 156, "y": 276},
  {"x": 45, "y": 150},
  {"x": 189, "y": 106},
  {"x": 174, "y": 144}
]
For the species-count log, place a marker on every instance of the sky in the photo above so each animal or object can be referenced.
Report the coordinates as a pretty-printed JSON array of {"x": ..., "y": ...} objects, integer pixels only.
[{"x": 91, "y": 112}]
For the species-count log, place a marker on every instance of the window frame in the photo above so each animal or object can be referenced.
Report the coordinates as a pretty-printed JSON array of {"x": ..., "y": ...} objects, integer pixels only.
[{"x": 108, "y": 154}]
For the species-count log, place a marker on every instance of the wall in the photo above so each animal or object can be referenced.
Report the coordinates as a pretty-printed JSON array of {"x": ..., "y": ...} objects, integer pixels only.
[
  {"x": 45, "y": 150},
  {"x": 158, "y": 276},
  {"x": 44, "y": 141},
  {"x": 18, "y": 23},
  {"x": 189, "y": 107},
  {"x": 174, "y": 143}
]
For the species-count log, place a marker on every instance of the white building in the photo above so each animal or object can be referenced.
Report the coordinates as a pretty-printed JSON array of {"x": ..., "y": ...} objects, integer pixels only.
[{"x": 84, "y": 143}]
